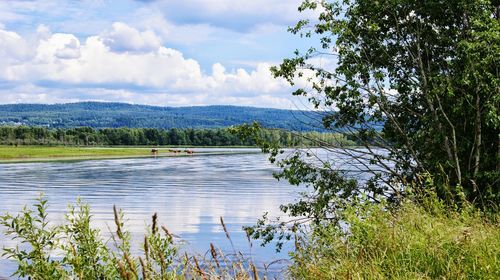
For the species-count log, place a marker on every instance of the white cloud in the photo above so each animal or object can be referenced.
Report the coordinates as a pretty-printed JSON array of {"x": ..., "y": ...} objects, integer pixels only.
[
  {"x": 186, "y": 34},
  {"x": 201, "y": 32},
  {"x": 61, "y": 68},
  {"x": 7, "y": 15},
  {"x": 125, "y": 38},
  {"x": 61, "y": 58},
  {"x": 13, "y": 50},
  {"x": 37, "y": 94},
  {"x": 43, "y": 31},
  {"x": 217, "y": 12},
  {"x": 12, "y": 46},
  {"x": 241, "y": 82},
  {"x": 58, "y": 46}
]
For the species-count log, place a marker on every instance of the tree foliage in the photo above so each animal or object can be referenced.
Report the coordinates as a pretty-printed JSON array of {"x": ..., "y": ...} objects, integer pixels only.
[
  {"x": 87, "y": 136},
  {"x": 416, "y": 84},
  {"x": 427, "y": 70}
]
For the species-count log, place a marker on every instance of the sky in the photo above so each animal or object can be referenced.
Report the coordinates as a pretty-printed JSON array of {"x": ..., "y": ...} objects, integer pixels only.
[{"x": 164, "y": 52}]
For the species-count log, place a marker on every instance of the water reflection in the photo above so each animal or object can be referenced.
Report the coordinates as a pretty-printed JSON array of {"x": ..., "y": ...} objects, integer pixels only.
[{"x": 188, "y": 193}]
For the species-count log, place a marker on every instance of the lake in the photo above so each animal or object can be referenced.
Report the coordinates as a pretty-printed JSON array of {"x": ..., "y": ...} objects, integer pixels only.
[{"x": 189, "y": 194}]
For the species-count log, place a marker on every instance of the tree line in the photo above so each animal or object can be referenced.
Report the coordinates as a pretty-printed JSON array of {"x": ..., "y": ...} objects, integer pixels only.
[{"x": 87, "y": 136}]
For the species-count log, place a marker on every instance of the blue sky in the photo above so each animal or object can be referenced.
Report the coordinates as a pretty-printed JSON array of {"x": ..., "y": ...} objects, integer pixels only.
[{"x": 164, "y": 52}]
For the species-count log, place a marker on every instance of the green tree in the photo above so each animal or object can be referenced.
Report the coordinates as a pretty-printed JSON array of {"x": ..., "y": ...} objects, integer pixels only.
[
  {"x": 415, "y": 84},
  {"x": 419, "y": 79}
]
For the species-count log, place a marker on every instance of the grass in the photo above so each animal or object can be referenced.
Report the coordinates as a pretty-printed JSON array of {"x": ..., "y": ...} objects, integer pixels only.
[
  {"x": 26, "y": 153},
  {"x": 415, "y": 241},
  {"x": 20, "y": 152},
  {"x": 428, "y": 241}
]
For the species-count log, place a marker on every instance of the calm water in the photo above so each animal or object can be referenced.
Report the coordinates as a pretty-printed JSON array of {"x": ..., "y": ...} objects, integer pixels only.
[{"x": 188, "y": 193}]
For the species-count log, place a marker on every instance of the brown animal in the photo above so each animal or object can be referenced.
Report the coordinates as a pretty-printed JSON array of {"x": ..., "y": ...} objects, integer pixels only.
[
  {"x": 154, "y": 151},
  {"x": 189, "y": 152}
]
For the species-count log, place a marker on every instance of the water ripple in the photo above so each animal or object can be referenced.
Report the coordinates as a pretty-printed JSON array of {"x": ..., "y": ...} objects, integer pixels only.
[{"x": 188, "y": 193}]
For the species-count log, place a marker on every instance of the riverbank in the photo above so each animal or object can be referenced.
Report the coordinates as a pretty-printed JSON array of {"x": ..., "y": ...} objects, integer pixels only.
[
  {"x": 426, "y": 240},
  {"x": 414, "y": 241},
  {"x": 10, "y": 154}
]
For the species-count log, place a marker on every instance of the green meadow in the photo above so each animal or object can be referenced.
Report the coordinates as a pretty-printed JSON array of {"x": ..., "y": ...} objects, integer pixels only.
[{"x": 12, "y": 153}]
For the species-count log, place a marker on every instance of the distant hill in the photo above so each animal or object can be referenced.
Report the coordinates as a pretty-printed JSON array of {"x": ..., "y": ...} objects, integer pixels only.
[{"x": 108, "y": 115}]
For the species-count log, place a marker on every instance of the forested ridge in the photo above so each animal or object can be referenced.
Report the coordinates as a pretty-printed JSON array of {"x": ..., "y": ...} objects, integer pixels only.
[{"x": 114, "y": 115}]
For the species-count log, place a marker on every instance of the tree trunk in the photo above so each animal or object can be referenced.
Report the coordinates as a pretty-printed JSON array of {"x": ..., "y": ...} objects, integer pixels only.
[{"x": 478, "y": 136}]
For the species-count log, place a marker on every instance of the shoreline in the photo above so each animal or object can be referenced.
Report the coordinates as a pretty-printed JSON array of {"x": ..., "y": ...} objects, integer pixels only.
[{"x": 31, "y": 154}]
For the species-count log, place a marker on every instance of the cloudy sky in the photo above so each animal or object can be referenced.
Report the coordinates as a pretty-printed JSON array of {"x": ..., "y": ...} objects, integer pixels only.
[{"x": 165, "y": 52}]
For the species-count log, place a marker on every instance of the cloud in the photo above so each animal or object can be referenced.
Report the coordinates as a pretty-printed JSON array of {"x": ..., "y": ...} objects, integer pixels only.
[
  {"x": 229, "y": 13},
  {"x": 185, "y": 34},
  {"x": 61, "y": 46},
  {"x": 125, "y": 38},
  {"x": 60, "y": 67},
  {"x": 14, "y": 50},
  {"x": 43, "y": 31},
  {"x": 12, "y": 45},
  {"x": 36, "y": 94},
  {"x": 243, "y": 83},
  {"x": 62, "y": 58}
]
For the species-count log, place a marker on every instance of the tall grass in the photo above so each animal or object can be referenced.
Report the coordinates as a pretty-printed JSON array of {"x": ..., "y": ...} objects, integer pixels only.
[
  {"x": 427, "y": 240},
  {"x": 424, "y": 241}
]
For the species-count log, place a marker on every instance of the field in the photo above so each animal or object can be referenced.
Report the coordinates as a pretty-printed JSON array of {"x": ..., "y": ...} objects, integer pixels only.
[{"x": 35, "y": 153}]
